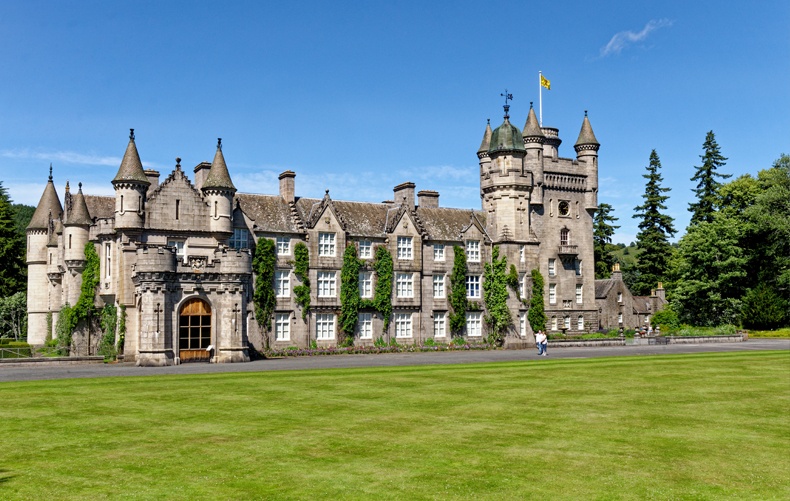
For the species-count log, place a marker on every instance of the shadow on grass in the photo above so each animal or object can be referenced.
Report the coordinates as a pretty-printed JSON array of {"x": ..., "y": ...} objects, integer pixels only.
[{"x": 5, "y": 476}]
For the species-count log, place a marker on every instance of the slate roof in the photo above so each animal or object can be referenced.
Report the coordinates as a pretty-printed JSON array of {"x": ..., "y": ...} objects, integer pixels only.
[
  {"x": 218, "y": 176},
  {"x": 532, "y": 127},
  {"x": 486, "y": 139},
  {"x": 131, "y": 168},
  {"x": 445, "y": 223},
  {"x": 49, "y": 204},
  {"x": 603, "y": 287},
  {"x": 269, "y": 212},
  {"x": 100, "y": 207},
  {"x": 79, "y": 215},
  {"x": 586, "y": 135}
]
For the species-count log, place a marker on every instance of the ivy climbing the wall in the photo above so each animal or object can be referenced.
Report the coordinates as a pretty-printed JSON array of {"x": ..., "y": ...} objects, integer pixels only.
[
  {"x": 382, "y": 299},
  {"x": 537, "y": 315},
  {"x": 121, "y": 329},
  {"x": 264, "y": 260},
  {"x": 108, "y": 319},
  {"x": 458, "y": 301},
  {"x": 84, "y": 309},
  {"x": 495, "y": 283},
  {"x": 302, "y": 272},
  {"x": 349, "y": 294}
]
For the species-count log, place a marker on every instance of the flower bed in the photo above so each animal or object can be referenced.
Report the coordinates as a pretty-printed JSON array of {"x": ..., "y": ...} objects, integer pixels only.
[{"x": 362, "y": 350}]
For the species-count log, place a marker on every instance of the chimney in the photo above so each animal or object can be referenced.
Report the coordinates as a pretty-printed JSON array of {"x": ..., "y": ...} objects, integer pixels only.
[
  {"x": 288, "y": 186},
  {"x": 153, "y": 178},
  {"x": 616, "y": 273},
  {"x": 660, "y": 292},
  {"x": 404, "y": 190},
  {"x": 428, "y": 199},
  {"x": 201, "y": 173}
]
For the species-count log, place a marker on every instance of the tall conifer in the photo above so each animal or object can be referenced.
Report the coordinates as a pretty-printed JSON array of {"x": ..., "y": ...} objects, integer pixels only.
[
  {"x": 707, "y": 189},
  {"x": 602, "y": 239},
  {"x": 12, "y": 250}
]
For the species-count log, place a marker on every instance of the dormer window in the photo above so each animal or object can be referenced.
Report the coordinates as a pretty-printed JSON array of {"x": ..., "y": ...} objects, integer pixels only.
[
  {"x": 404, "y": 248},
  {"x": 473, "y": 251}
]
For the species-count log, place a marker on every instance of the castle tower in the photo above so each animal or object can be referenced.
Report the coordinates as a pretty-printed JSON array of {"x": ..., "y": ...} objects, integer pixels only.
[
  {"x": 76, "y": 229},
  {"x": 131, "y": 185},
  {"x": 533, "y": 162},
  {"x": 587, "y": 155},
  {"x": 219, "y": 190},
  {"x": 482, "y": 153},
  {"x": 41, "y": 227},
  {"x": 505, "y": 186}
]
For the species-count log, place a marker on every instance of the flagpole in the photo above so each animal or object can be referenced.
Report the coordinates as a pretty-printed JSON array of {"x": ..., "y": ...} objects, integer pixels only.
[{"x": 540, "y": 97}]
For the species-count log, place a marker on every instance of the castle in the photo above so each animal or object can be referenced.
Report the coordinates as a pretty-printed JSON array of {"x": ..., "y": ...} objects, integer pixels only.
[{"x": 176, "y": 253}]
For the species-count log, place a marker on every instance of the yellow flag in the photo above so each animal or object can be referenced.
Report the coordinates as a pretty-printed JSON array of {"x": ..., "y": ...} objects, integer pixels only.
[{"x": 545, "y": 82}]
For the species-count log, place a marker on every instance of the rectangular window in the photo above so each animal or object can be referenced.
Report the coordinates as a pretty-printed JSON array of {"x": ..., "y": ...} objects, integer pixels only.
[
  {"x": 282, "y": 327},
  {"x": 554, "y": 323},
  {"x": 326, "y": 244},
  {"x": 473, "y": 286},
  {"x": 326, "y": 284},
  {"x": 566, "y": 322},
  {"x": 438, "y": 252},
  {"x": 404, "y": 247},
  {"x": 403, "y": 325},
  {"x": 438, "y": 286},
  {"x": 580, "y": 323},
  {"x": 365, "y": 325},
  {"x": 474, "y": 326},
  {"x": 619, "y": 318},
  {"x": 578, "y": 267},
  {"x": 404, "y": 285},
  {"x": 107, "y": 260},
  {"x": 178, "y": 208},
  {"x": 283, "y": 246},
  {"x": 473, "y": 251},
  {"x": 522, "y": 253},
  {"x": 325, "y": 326},
  {"x": 619, "y": 297},
  {"x": 365, "y": 249},
  {"x": 552, "y": 267},
  {"x": 240, "y": 239},
  {"x": 552, "y": 293},
  {"x": 179, "y": 246},
  {"x": 366, "y": 284},
  {"x": 282, "y": 283},
  {"x": 522, "y": 324},
  {"x": 522, "y": 279},
  {"x": 579, "y": 292},
  {"x": 439, "y": 324}
]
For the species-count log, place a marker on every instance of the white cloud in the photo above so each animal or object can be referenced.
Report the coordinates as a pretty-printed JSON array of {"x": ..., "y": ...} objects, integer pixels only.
[
  {"x": 623, "y": 39},
  {"x": 69, "y": 158}
]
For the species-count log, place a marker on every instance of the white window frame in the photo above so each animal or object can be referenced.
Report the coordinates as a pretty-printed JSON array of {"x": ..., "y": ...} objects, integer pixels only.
[
  {"x": 365, "y": 284},
  {"x": 438, "y": 286},
  {"x": 365, "y": 249},
  {"x": 578, "y": 267},
  {"x": 579, "y": 293},
  {"x": 580, "y": 323},
  {"x": 619, "y": 297},
  {"x": 552, "y": 293},
  {"x": 283, "y": 246},
  {"x": 327, "y": 283},
  {"x": 522, "y": 280},
  {"x": 552, "y": 267},
  {"x": 365, "y": 325},
  {"x": 282, "y": 326},
  {"x": 439, "y": 324},
  {"x": 474, "y": 324},
  {"x": 107, "y": 260},
  {"x": 181, "y": 248},
  {"x": 522, "y": 324},
  {"x": 566, "y": 322},
  {"x": 404, "y": 285},
  {"x": 473, "y": 251},
  {"x": 326, "y": 244},
  {"x": 438, "y": 252},
  {"x": 240, "y": 238},
  {"x": 403, "y": 325},
  {"x": 620, "y": 318},
  {"x": 473, "y": 286},
  {"x": 554, "y": 323},
  {"x": 325, "y": 326},
  {"x": 405, "y": 247},
  {"x": 522, "y": 253},
  {"x": 282, "y": 283}
]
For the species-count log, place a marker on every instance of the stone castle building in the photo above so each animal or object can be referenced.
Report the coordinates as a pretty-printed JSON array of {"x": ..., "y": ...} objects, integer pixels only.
[{"x": 176, "y": 253}]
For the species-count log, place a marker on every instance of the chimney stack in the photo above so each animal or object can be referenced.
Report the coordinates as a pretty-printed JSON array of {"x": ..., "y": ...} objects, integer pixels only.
[
  {"x": 288, "y": 186},
  {"x": 428, "y": 199},
  {"x": 405, "y": 191},
  {"x": 153, "y": 178},
  {"x": 201, "y": 173}
]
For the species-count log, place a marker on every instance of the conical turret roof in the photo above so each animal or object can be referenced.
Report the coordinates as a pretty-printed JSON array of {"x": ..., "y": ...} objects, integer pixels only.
[
  {"x": 79, "y": 214},
  {"x": 218, "y": 176},
  {"x": 49, "y": 204},
  {"x": 506, "y": 137},
  {"x": 486, "y": 139},
  {"x": 532, "y": 127},
  {"x": 586, "y": 135},
  {"x": 131, "y": 169}
]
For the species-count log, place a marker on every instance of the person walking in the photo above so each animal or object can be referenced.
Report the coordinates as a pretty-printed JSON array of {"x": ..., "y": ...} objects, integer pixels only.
[{"x": 542, "y": 342}]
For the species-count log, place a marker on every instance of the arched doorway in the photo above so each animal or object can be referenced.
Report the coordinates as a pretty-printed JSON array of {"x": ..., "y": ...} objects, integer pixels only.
[{"x": 194, "y": 331}]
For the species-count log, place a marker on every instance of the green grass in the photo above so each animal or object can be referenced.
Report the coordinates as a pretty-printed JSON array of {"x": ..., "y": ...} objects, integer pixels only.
[
  {"x": 713, "y": 426},
  {"x": 778, "y": 333}
]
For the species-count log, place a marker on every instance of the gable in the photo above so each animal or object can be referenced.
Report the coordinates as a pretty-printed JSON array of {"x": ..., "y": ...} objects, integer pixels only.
[{"x": 176, "y": 205}]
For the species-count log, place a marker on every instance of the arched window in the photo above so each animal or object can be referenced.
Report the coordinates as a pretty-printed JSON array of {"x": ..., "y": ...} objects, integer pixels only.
[{"x": 565, "y": 236}]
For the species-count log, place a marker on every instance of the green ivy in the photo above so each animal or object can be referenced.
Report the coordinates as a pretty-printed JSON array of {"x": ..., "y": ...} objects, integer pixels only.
[
  {"x": 108, "y": 319},
  {"x": 84, "y": 309},
  {"x": 536, "y": 314},
  {"x": 49, "y": 327},
  {"x": 264, "y": 260},
  {"x": 64, "y": 328},
  {"x": 495, "y": 283},
  {"x": 382, "y": 299},
  {"x": 513, "y": 282},
  {"x": 458, "y": 301},
  {"x": 121, "y": 329},
  {"x": 349, "y": 294},
  {"x": 302, "y": 272}
]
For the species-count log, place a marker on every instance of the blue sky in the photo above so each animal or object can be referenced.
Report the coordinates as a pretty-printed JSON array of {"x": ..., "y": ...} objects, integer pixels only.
[{"x": 358, "y": 97}]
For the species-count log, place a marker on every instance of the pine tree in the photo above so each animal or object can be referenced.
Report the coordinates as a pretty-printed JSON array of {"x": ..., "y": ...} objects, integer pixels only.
[
  {"x": 602, "y": 237},
  {"x": 707, "y": 190},
  {"x": 12, "y": 250},
  {"x": 655, "y": 230}
]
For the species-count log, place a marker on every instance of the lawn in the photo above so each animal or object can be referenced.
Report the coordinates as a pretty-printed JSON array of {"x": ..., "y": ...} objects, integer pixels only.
[{"x": 712, "y": 426}]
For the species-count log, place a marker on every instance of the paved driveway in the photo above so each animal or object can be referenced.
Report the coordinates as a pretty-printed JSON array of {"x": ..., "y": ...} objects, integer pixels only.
[{"x": 37, "y": 372}]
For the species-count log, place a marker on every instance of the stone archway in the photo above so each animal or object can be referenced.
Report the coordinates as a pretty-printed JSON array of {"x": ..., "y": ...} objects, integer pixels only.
[{"x": 194, "y": 331}]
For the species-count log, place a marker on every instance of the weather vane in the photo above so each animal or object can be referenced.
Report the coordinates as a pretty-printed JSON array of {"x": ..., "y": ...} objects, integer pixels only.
[{"x": 508, "y": 97}]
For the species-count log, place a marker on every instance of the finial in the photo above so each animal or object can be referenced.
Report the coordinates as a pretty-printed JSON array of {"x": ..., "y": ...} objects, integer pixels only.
[
  {"x": 507, "y": 97},
  {"x": 131, "y": 134},
  {"x": 67, "y": 185},
  {"x": 50, "y": 172},
  {"x": 327, "y": 192},
  {"x": 219, "y": 143},
  {"x": 488, "y": 121},
  {"x": 530, "y": 105},
  {"x": 80, "y": 186},
  {"x": 585, "y": 113},
  {"x": 178, "y": 163}
]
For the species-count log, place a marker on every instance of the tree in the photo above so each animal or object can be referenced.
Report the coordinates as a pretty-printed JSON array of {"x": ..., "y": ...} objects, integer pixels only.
[
  {"x": 13, "y": 316},
  {"x": 655, "y": 230},
  {"x": 12, "y": 250},
  {"x": 537, "y": 314},
  {"x": 458, "y": 301},
  {"x": 349, "y": 293},
  {"x": 602, "y": 238},
  {"x": 263, "y": 262},
  {"x": 22, "y": 216},
  {"x": 707, "y": 190},
  {"x": 495, "y": 283}
]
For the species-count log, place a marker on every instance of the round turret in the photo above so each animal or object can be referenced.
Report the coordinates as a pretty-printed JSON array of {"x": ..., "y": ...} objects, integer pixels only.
[
  {"x": 131, "y": 185},
  {"x": 219, "y": 190}
]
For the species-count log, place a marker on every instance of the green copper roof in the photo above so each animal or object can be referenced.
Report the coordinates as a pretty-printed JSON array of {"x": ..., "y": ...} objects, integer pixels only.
[
  {"x": 532, "y": 127},
  {"x": 506, "y": 137},
  {"x": 586, "y": 135},
  {"x": 218, "y": 176},
  {"x": 486, "y": 139},
  {"x": 79, "y": 215},
  {"x": 131, "y": 169},
  {"x": 49, "y": 204}
]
